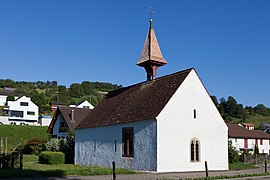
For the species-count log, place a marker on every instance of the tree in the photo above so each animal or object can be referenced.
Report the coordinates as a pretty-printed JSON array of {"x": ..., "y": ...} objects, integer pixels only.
[
  {"x": 256, "y": 149},
  {"x": 261, "y": 109},
  {"x": 10, "y": 98},
  {"x": 232, "y": 153},
  {"x": 76, "y": 90}
]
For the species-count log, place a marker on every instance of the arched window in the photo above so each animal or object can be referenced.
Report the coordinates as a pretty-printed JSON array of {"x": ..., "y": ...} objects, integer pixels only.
[{"x": 194, "y": 150}]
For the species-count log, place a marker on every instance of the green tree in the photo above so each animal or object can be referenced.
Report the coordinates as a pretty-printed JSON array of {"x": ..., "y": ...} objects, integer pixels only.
[
  {"x": 232, "y": 153},
  {"x": 261, "y": 109},
  {"x": 76, "y": 90},
  {"x": 10, "y": 98},
  {"x": 256, "y": 149}
]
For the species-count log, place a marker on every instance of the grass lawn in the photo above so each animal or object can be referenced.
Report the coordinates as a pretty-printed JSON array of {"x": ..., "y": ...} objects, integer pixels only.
[
  {"x": 33, "y": 169},
  {"x": 241, "y": 166},
  {"x": 20, "y": 134}
]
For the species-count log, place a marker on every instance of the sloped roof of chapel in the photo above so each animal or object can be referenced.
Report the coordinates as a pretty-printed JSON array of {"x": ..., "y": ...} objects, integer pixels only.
[{"x": 143, "y": 101}]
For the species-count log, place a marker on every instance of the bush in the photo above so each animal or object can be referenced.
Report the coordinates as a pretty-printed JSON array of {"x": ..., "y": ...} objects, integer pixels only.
[
  {"x": 8, "y": 160},
  {"x": 48, "y": 157},
  {"x": 33, "y": 146},
  {"x": 233, "y": 153},
  {"x": 53, "y": 145}
]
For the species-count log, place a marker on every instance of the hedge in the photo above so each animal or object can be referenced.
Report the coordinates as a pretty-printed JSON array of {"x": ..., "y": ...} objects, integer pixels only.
[{"x": 49, "y": 157}]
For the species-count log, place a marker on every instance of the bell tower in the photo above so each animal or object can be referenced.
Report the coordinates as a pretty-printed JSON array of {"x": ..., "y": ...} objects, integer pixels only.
[{"x": 151, "y": 57}]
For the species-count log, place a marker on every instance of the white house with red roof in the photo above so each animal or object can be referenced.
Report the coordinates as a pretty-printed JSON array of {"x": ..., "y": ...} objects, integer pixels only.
[
  {"x": 165, "y": 124},
  {"x": 244, "y": 139}
]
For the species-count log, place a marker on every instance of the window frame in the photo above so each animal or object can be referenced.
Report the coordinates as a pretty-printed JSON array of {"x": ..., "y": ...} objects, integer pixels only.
[
  {"x": 31, "y": 113},
  {"x": 24, "y": 104},
  {"x": 195, "y": 150},
  {"x": 127, "y": 138}
]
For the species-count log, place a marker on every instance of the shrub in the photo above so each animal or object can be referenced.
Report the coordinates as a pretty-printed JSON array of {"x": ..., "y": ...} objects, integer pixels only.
[
  {"x": 53, "y": 145},
  {"x": 233, "y": 153},
  {"x": 48, "y": 157},
  {"x": 8, "y": 160},
  {"x": 33, "y": 146}
]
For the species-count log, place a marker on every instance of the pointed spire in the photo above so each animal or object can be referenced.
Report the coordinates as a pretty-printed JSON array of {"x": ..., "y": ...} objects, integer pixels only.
[{"x": 151, "y": 57}]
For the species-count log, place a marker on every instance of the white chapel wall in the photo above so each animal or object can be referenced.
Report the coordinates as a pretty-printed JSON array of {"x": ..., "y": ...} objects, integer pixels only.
[{"x": 176, "y": 126}]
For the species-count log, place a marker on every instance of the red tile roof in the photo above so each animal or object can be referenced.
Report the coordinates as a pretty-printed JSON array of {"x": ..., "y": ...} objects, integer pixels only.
[
  {"x": 138, "y": 102},
  {"x": 236, "y": 131}
]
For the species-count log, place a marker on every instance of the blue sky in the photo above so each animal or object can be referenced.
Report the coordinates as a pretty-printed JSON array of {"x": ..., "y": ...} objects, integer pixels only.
[{"x": 227, "y": 41}]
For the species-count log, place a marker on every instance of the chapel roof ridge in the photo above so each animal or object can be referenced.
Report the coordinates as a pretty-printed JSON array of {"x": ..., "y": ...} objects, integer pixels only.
[{"x": 157, "y": 79}]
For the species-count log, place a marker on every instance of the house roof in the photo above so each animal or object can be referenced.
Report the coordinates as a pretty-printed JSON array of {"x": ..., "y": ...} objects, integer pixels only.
[
  {"x": 79, "y": 115},
  {"x": 8, "y": 93},
  {"x": 138, "y": 102},
  {"x": 236, "y": 131},
  {"x": 248, "y": 124},
  {"x": 57, "y": 103}
]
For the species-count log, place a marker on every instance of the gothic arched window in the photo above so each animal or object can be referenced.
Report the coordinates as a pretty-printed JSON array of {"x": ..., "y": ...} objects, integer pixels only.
[{"x": 194, "y": 150}]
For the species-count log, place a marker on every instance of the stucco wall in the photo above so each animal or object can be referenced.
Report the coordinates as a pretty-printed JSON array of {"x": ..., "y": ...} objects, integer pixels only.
[
  {"x": 176, "y": 126},
  {"x": 96, "y": 146}
]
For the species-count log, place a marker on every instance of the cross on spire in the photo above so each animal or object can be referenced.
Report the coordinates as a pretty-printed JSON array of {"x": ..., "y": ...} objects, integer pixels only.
[{"x": 151, "y": 12}]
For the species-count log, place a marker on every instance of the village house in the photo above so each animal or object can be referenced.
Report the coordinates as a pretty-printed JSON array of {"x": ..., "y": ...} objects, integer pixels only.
[
  {"x": 65, "y": 119},
  {"x": 244, "y": 139},
  {"x": 22, "y": 111},
  {"x": 85, "y": 104},
  {"x": 165, "y": 124}
]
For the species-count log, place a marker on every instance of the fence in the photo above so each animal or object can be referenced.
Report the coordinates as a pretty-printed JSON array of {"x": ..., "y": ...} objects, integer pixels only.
[{"x": 257, "y": 159}]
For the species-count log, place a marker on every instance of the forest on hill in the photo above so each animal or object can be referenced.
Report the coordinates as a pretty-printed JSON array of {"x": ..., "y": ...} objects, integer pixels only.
[
  {"x": 42, "y": 93},
  {"x": 232, "y": 111}
]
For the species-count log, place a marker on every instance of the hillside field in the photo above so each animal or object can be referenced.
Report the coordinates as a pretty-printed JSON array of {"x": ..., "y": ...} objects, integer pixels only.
[
  {"x": 255, "y": 119},
  {"x": 20, "y": 134}
]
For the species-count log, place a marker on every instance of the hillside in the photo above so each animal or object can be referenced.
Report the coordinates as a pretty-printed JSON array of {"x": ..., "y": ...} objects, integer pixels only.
[
  {"x": 255, "y": 119},
  {"x": 43, "y": 93},
  {"x": 21, "y": 134}
]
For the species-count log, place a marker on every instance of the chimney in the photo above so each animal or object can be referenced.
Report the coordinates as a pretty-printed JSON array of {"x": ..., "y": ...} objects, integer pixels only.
[{"x": 72, "y": 115}]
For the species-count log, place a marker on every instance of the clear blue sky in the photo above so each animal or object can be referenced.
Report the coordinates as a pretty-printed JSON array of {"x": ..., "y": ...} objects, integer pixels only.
[{"x": 227, "y": 41}]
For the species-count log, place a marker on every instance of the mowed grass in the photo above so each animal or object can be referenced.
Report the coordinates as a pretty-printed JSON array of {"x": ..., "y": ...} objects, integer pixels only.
[
  {"x": 34, "y": 169},
  {"x": 241, "y": 166},
  {"x": 20, "y": 134}
]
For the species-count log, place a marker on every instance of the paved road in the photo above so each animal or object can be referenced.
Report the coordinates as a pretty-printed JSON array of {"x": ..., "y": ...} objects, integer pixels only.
[{"x": 160, "y": 176}]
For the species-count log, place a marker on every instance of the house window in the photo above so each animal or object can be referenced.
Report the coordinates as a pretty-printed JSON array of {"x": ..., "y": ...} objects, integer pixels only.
[
  {"x": 16, "y": 113},
  {"x": 24, "y": 103},
  {"x": 86, "y": 107},
  {"x": 256, "y": 141},
  {"x": 127, "y": 142},
  {"x": 32, "y": 113},
  {"x": 235, "y": 140},
  {"x": 62, "y": 124},
  {"x": 63, "y": 127},
  {"x": 261, "y": 142},
  {"x": 194, "y": 150},
  {"x": 194, "y": 114}
]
